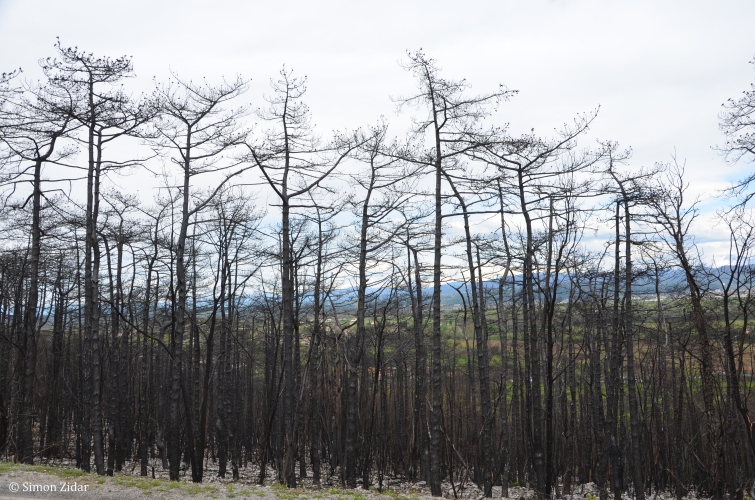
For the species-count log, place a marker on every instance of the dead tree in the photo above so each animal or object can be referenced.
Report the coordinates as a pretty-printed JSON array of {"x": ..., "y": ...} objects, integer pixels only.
[
  {"x": 629, "y": 191},
  {"x": 530, "y": 168},
  {"x": 451, "y": 127},
  {"x": 737, "y": 122},
  {"x": 378, "y": 208},
  {"x": 292, "y": 163},
  {"x": 33, "y": 125},
  {"x": 105, "y": 114},
  {"x": 672, "y": 214},
  {"x": 196, "y": 132}
]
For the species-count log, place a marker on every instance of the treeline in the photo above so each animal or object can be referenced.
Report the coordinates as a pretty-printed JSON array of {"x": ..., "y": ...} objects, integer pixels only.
[{"x": 277, "y": 306}]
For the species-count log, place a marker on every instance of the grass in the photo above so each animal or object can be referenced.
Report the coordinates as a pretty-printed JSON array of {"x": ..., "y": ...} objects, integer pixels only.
[
  {"x": 398, "y": 496},
  {"x": 62, "y": 472},
  {"x": 285, "y": 493},
  {"x": 147, "y": 485}
]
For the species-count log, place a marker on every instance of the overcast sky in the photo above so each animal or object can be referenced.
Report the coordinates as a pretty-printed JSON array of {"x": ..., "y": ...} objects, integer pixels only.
[{"x": 659, "y": 70}]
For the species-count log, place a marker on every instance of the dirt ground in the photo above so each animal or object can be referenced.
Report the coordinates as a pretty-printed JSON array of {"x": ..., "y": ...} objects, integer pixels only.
[
  {"x": 54, "y": 482},
  {"x": 65, "y": 482}
]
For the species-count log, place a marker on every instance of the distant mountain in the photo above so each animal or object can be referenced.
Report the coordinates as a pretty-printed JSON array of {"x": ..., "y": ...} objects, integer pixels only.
[{"x": 671, "y": 281}]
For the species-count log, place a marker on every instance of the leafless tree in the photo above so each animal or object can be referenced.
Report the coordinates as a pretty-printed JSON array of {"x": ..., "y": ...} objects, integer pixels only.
[
  {"x": 196, "y": 131},
  {"x": 33, "y": 126},
  {"x": 293, "y": 162},
  {"x": 737, "y": 122},
  {"x": 451, "y": 126}
]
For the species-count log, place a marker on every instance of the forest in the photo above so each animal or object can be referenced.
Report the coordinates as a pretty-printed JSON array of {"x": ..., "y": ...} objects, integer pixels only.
[{"x": 447, "y": 303}]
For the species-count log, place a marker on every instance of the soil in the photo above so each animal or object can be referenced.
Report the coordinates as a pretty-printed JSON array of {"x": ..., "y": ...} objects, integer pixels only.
[
  {"x": 60, "y": 482},
  {"x": 65, "y": 482}
]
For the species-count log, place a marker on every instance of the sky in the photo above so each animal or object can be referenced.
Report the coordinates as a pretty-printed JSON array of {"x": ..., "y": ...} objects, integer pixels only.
[{"x": 658, "y": 70}]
